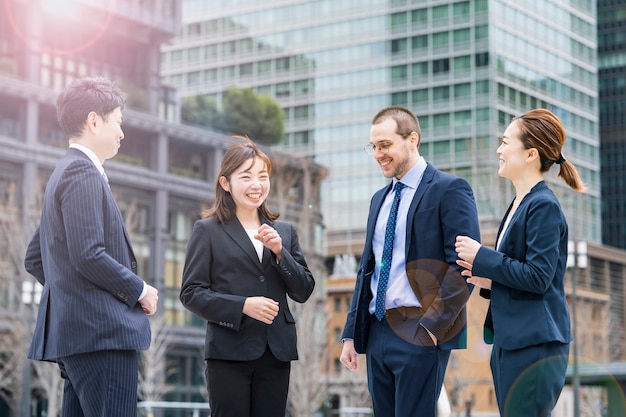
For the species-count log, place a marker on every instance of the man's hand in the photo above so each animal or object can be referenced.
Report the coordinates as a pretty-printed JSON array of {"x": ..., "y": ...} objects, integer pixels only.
[
  {"x": 150, "y": 300},
  {"x": 348, "y": 355}
]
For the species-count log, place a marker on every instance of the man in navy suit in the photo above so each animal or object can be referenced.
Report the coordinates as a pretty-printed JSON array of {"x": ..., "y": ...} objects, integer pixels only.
[
  {"x": 92, "y": 314},
  {"x": 408, "y": 308}
]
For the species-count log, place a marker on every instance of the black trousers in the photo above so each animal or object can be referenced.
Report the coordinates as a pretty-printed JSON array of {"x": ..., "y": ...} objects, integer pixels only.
[
  {"x": 256, "y": 388},
  {"x": 100, "y": 384}
]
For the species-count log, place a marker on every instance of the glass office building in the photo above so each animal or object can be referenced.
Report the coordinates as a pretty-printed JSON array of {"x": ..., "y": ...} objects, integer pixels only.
[
  {"x": 612, "y": 75},
  {"x": 464, "y": 67}
]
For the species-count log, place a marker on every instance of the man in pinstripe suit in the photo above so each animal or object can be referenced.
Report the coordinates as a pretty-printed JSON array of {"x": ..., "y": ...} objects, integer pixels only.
[{"x": 92, "y": 314}]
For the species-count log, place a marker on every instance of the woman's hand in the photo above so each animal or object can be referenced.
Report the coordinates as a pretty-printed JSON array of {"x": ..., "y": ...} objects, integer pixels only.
[
  {"x": 271, "y": 239},
  {"x": 261, "y": 308},
  {"x": 466, "y": 248},
  {"x": 480, "y": 282}
]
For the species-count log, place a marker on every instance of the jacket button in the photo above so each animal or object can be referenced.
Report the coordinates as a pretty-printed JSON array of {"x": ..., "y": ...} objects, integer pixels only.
[
  {"x": 262, "y": 278},
  {"x": 133, "y": 265}
]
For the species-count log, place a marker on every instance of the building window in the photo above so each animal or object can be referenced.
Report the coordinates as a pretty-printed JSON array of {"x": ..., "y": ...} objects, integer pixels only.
[
  {"x": 441, "y": 120},
  {"x": 462, "y": 63},
  {"x": 419, "y": 69},
  {"x": 462, "y": 90},
  {"x": 398, "y": 20},
  {"x": 301, "y": 112},
  {"x": 420, "y": 96},
  {"x": 440, "y": 12},
  {"x": 399, "y": 99},
  {"x": 301, "y": 87},
  {"x": 282, "y": 64},
  {"x": 399, "y": 45},
  {"x": 441, "y": 93},
  {"x": 441, "y": 66},
  {"x": 482, "y": 59},
  {"x": 399, "y": 73},
  {"x": 264, "y": 67},
  {"x": 461, "y": 36},
  {"x": 337, "y": 301},
  {"x": 419, "y": 16},
  {"x": 245, "y": 69},
  {"x": 282, "y": 90},
  {"x": 440, "y": 40},
  {"x": 419, "y": 42},
  {"x": 461, "y": 9}
]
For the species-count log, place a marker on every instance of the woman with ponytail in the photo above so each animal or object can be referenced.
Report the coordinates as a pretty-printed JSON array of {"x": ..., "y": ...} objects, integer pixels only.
[{"x": 528, "y": 320}]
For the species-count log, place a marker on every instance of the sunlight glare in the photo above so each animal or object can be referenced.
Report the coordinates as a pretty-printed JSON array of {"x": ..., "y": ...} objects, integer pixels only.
[{"x": 61, "y": 8}]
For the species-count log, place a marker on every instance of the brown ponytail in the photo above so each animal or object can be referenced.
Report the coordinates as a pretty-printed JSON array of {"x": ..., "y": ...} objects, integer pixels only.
[{"x": 541, "y": 129}]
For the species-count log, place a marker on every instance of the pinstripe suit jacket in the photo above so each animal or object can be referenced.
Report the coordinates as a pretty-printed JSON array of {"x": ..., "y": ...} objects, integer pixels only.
[{"x": 82, "y": 255}]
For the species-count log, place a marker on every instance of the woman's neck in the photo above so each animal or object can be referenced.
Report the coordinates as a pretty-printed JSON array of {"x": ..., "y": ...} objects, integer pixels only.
[
  {"x": 249, "y": 219},
  {"x": 524, "y": 184}
]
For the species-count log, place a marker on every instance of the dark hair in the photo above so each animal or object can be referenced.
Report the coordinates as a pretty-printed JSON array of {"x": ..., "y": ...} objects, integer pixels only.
[
  {"x": 224, "y": 207},
  {"x": 405, "y": 119},
  {"x": 84, "y": 95},
  {"x": 541, "y": 129}
]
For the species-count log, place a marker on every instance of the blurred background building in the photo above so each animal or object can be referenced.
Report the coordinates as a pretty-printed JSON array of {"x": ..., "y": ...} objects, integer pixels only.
[{"x": 612, "y": 87}]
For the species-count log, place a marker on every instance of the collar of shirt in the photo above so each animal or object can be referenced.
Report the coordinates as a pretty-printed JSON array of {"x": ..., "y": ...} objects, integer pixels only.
[
  {"x": 414, "y": 175},
  {"x": 90, "y": 154}
]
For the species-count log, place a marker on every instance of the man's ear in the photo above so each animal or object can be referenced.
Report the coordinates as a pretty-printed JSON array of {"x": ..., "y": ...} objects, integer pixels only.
[
  {"x": 92, "y": 121},
  {"x": 224, "y": 183}
]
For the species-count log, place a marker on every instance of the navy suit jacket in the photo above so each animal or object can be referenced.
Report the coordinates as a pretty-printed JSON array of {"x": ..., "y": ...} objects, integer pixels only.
[
  {"x": 442, "y": 208},
  {"x": 528, "y": 304},
  {"x": 222, "y": 269},
  {"x": 82, "y": 255}
]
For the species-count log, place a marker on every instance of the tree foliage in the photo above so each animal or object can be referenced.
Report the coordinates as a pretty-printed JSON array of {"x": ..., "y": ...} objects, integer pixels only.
[{"x": 243, "y": 112}]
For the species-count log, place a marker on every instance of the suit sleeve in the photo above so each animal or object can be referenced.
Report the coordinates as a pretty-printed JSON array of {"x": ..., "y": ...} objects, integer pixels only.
[
  {"x": 196, "y": 292},
  {"x": 32, "y": 259},
  {"x": 535, "y": 271},
  {"x": 458, "y": 216},
  {"x": 83, "y": 203},
  {"x": 294, "y": 270}
]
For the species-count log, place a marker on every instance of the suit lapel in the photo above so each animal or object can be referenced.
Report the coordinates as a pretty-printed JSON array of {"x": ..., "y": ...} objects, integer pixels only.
[
  {"x": 237, "y": 233},
  {"x": 424, "y": 185},
  {"x": 377, "y": 202}
]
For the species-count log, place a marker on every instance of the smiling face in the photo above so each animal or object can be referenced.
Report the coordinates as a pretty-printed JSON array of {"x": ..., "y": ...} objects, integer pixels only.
[
  {"x": 513, "y": 157},
  {"x": 249, "y": 185},
  {"x": 395, "y": 154}
]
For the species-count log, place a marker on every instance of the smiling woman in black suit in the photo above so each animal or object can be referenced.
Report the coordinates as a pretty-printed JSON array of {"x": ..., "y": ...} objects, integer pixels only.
[{"x": 241, "y": 264}]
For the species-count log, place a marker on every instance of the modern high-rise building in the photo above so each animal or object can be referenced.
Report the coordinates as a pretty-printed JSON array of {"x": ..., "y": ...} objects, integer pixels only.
[
  {"x": 464, "y": 67},
  {"x": 612, "y": 78}
]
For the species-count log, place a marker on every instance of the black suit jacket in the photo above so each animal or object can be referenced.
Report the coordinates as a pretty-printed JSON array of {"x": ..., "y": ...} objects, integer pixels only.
[
  {"x": 81, "y": 254},
  {"x": 442, "y": 208},
  {"x": 222, "y": 269}
]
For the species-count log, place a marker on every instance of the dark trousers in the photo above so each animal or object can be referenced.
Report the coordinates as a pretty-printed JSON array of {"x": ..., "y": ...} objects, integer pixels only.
[
  {"x": 528, "y": 381},
  {"x": 100, "y": 384},
  {"x": 256, "y": 388},
  {"x": 405, "y": 374}
]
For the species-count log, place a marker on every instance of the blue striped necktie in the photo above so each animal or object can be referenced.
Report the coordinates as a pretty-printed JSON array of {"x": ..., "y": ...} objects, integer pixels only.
[{"x": 385, "y": 264}]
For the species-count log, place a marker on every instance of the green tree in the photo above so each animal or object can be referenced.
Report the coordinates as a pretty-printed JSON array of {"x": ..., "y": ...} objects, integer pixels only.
[
  {"x": 200, "y": 111},
  {"x": 247, "y": 113}
]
